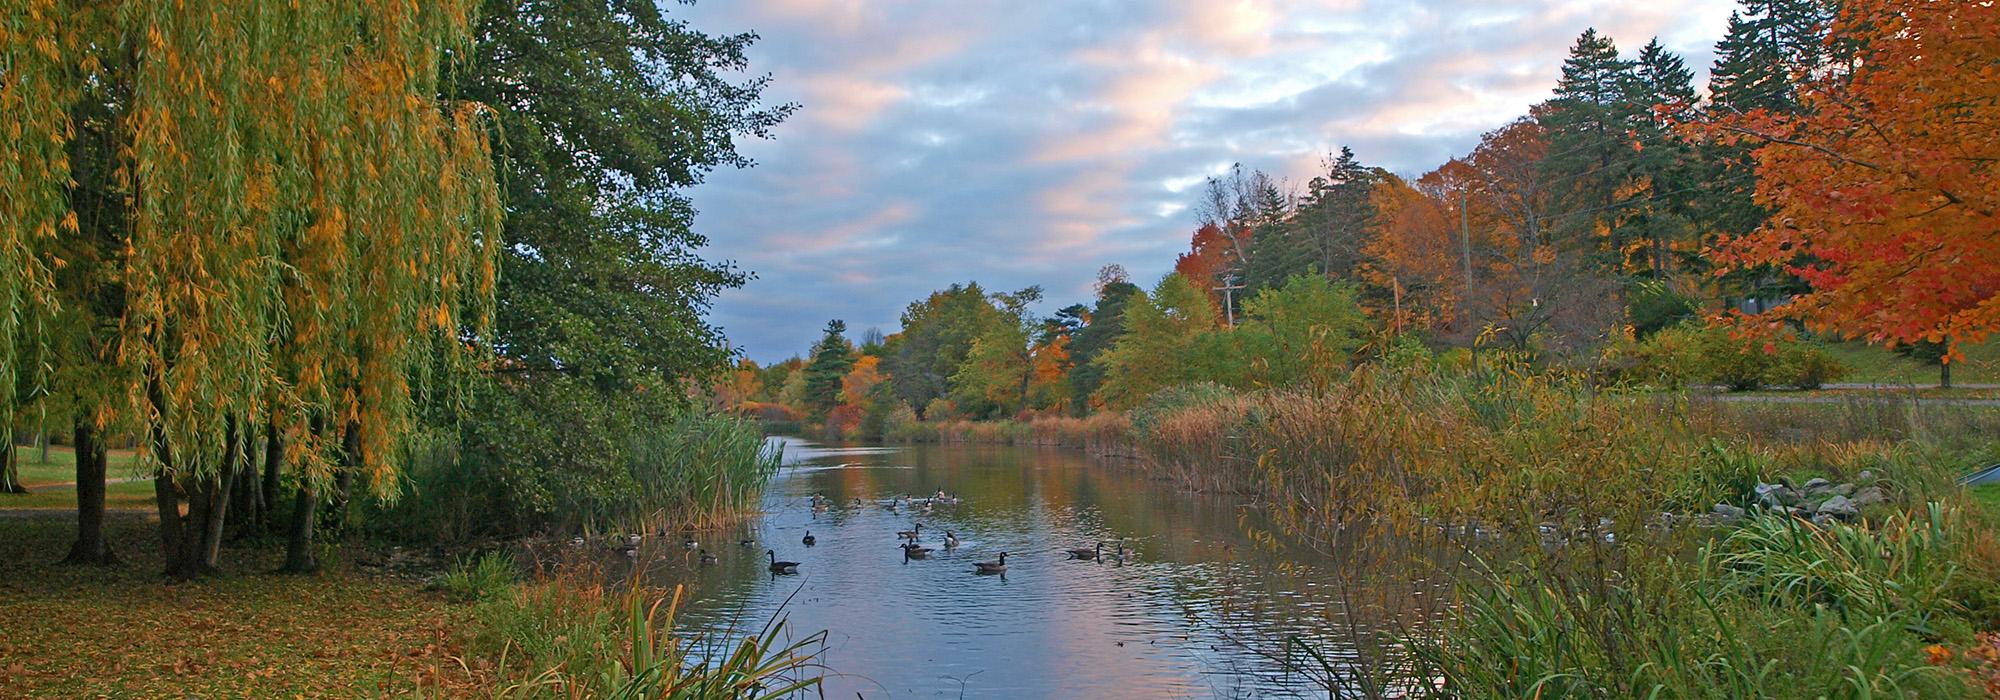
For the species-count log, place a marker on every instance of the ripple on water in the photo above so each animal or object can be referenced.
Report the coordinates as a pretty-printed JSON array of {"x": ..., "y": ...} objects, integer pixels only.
[{"x": 1200, "y": 611}]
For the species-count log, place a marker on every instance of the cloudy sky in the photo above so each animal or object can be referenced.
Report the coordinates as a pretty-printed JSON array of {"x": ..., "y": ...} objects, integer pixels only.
[{"x": 1034, "y": 141}]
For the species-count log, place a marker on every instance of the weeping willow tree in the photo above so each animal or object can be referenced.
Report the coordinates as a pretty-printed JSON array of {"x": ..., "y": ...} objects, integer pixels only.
[{"x": 307, "y": 228}]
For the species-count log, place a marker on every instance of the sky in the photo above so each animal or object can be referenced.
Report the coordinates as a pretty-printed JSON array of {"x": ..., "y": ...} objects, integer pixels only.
[{"x": 1031, "y": 142}]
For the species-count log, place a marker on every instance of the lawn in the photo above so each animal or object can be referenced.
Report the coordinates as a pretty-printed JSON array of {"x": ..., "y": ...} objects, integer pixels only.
[
  {"x": 50, "y": 484},
  {"x": 1868, "y": 364},
  {"x": 61, "y": 467},
  {"x": 123, "y": 631}
]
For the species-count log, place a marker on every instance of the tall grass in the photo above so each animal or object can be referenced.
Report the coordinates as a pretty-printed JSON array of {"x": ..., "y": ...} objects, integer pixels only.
[
  {"x": 567, "y": 637},
  {"x": 1596, "y": 592},
  {"x": 695, "y": 471},
  {"x": 703, "y": 471},
  {"x": 1100, "y": 433}
]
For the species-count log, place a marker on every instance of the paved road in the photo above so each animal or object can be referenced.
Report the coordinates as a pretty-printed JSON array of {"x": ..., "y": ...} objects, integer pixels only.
[{"x": 1768, "y": 398}]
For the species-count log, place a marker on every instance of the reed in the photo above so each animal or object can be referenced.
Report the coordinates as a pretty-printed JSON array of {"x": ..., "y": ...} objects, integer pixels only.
[{"x": 567, "y": 636}]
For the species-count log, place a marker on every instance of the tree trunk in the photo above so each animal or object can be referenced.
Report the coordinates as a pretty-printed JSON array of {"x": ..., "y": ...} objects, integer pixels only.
[
  {"x": 299, "y": 558},
  {"x": 274, "y": 458},
  {"x": 1944, "y": 373},
  {"x": 343, "y": 482},
  {"x": 91, "y": 463},
  {"x": 245, "y": 492},
  {"x": 10, "y": 472},
  {"x": 42, "y": 441},
  {"x": 216, "y": 516}
]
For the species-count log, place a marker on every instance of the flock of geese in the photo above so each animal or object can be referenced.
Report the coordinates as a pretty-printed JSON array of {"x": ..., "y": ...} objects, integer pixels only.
[{"x": 911, "y": 540}]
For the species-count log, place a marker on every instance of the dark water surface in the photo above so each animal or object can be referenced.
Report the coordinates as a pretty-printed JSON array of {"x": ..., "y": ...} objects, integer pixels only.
[{"x": 1201, "y": 610}]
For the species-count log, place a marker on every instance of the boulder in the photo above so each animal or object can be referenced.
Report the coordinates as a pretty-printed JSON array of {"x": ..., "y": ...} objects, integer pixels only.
[
  {"x": 1839, "y": 507},
  {"x": 1865, "y": 476},
  {"x": 1870, "y": 496},
  {"x": 1816, "y": 487},
  {"x": 1727, "y": 513},
  {"x": 1775, "y": 496}
]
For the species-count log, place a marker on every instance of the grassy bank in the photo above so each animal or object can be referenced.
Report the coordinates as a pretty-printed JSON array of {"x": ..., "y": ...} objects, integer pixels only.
[
  {"x": 376, "y": 622},
  {"x": 123, "y": 632},
  {"x": 1604, "y": 556}
]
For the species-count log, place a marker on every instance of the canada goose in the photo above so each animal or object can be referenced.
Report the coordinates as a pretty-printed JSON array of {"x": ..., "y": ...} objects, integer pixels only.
[
  {"x": 1087, "y": 553},
  {"x": 632, "y": 540},
  {"x": 911, "y": 535},
  {"x": 950, "y": 540},
  {"x": 747, "y": 542},
  {"x": 707, "y": 558},
  {"x": 916, "y": 551},
  {"x": 689, "y": 542},
  {"x": 1124, "y": 551},
  {"x": 991, "y": 567},
  {"x": 781, "y": 567},
  {"x": 575, "y": 541},
  {"x": 808, "y": 540}
]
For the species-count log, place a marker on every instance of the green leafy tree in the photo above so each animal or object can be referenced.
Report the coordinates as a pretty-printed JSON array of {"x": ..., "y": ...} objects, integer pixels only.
[
  {"x": 937, "y": 335},
  {"x": 998, "y": 367},
  {"x": 610, "y": 111},
  {"x": 1166, "y": 342},
  {"x": 1095, "y": 331},
  {"x": 1304, "y": 331}
]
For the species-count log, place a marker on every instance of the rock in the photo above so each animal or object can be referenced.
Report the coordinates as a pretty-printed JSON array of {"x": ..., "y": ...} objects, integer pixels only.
[
  {"x": 1842, "y": 490},
  {"x": 1865, "y": 476},
  {"x": 1816, "y": 487},
  {"x": 1728, "y": 513},
  {"x": 1775, "y": 496},
  {"x": 1839, "y": 507},
  {"x": 1873, "y": 495}
]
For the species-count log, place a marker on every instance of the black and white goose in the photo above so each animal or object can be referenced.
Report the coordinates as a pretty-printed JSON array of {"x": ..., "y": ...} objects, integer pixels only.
[
  {"x": 991, "y": 567},
  {"x": 781, "y": 567}
]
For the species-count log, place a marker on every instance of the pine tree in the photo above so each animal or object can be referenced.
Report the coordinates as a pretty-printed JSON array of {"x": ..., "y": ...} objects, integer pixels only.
[
  {"x": 831, "y": 358},
  {"x": 1591, "y": 152}
]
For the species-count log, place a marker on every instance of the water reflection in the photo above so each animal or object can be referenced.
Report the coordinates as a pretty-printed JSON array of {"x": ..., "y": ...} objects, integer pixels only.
[{"x": 1196, "y": 609}]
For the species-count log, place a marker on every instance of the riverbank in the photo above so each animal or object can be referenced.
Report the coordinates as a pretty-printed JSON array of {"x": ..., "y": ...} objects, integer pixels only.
[{"x": 1601, "y": 524}]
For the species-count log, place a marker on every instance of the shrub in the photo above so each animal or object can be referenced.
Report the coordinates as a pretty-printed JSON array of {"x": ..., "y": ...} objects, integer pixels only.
[
  {"x": 1147, "y": 415},
  {"x": 481, "y": 578},
  {"x": 1672, "y": 358},
  {"x": 1804, "y": 365},
  {"x": 1652, "y": 307}
]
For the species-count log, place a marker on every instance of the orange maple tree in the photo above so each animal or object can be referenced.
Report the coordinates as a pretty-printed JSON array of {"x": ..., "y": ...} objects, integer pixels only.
[
  {"x": 1883, "y": 188},
  {"x": 1212, "y": 254}
]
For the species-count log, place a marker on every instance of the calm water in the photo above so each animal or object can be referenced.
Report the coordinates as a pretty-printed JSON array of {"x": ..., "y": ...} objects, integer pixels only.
[{"x": 1201, "y": 610}]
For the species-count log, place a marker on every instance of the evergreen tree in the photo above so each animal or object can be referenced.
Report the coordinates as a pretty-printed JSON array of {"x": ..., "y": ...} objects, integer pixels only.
[
  {"x": 1100, "y": 328},
  {"x": 1667, "y": 169},
  {"x": 1324, "y": 235},
  {"x": 831, "y": 358},
  {"x": 1590, "y": 158}
]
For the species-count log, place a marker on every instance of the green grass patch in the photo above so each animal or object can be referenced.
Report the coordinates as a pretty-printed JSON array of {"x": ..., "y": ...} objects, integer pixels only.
[
  {"x": 61, "y": 466},
  {"x": 125, "y": 495},
  {"x": 1869, "y": 364}
]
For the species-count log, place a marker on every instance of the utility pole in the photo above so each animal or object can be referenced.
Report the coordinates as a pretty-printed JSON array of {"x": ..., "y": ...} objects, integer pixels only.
[
  {"x": 1465, "y": 246},
  {"x": 1228, "y": 290},
  {"x": 1465, "y": 239}
]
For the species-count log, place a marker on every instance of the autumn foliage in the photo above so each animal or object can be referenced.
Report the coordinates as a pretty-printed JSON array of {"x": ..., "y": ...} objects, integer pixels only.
[{"x": 1884, "y": 190}]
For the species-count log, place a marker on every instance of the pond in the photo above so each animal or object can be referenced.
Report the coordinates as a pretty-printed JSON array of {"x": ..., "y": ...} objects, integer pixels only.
[{"x": 1202, "y": 608}]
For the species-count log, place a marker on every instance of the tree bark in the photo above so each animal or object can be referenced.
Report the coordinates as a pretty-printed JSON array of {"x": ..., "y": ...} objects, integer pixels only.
[
  {"x": 245, "y": 493},
  {"x": 91, "y": 463},
  {"x": 274, "y": 458},
  {"x": 10, "y": 474},
  {"x": 343, "y": 483},
  {"x": 299, "y": 557},
  {"x": 1944, "y": 373},
  {"x": 217, "y": 513}
]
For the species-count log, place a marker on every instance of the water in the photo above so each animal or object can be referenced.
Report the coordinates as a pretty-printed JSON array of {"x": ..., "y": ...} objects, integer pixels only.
[{"x": 1201, "y": 610}]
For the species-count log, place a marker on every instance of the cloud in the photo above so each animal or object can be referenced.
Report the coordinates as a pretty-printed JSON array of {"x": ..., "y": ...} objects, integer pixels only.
[{"x": 1030, "y": 143}]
